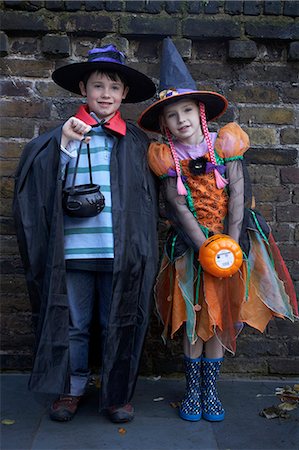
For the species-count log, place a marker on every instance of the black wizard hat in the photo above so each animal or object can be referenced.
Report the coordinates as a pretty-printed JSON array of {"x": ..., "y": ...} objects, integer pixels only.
[
  {"x": 176, "y": 83},
  {"x": 106, "y": 59}
]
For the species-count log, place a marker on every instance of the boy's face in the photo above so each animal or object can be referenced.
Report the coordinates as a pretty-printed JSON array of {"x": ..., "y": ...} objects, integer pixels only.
[
  {"x": 182, "y": 119},
  {"x": 103, "y": 94}
]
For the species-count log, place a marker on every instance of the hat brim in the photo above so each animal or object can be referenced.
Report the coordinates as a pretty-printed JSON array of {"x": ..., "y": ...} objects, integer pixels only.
[
  {"x": 215, "y": 105},
  {"x": 140, "y": 86}
]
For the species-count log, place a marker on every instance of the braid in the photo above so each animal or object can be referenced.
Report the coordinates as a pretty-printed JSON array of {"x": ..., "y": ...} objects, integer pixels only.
[
  {"x": 180, "y": 186},
  {"x": 220, "y": 181}
]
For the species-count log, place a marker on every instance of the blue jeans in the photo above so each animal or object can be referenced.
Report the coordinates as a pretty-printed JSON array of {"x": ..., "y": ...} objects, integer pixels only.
[{"x": 84, "y": 288}]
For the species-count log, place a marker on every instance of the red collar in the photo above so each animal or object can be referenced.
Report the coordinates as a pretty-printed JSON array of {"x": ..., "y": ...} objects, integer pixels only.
[{"x": 115, "y": 124}]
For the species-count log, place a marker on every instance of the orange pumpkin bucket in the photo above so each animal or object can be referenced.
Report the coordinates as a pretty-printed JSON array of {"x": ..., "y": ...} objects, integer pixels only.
[{"x": 221, "y": 256}]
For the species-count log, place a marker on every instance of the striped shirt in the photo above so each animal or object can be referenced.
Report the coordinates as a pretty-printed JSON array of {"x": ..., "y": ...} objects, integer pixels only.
[{"x": 90, "y": 237}]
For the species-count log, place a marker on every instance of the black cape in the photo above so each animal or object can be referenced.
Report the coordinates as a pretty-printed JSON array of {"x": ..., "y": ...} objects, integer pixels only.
[{"x": 38, "y": 214}]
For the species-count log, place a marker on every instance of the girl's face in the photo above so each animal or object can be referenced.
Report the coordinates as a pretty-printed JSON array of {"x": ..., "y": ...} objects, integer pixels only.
[
  {"x": 104, "y": 95},
  {"x": 182, "y": 119}
]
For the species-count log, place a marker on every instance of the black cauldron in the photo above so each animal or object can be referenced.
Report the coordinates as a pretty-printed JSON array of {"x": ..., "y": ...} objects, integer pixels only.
[{"x": 84, "y": 200}]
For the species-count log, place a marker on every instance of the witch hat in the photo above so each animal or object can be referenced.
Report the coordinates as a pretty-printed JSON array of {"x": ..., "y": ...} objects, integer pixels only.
[{"x": 176, "y": 83}]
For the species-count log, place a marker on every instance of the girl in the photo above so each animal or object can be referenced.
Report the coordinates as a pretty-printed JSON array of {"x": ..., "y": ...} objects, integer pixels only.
[{"x": 202, "y": 181}]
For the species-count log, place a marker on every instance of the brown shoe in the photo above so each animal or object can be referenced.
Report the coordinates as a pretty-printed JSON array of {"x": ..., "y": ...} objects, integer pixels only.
[
  {"x": 64, "y": 408},
  {"x": 121, "y": 414}
]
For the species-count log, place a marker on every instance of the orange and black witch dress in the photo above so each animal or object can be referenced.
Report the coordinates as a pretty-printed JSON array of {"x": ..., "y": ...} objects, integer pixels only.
[{"x": 187, "y": 295}]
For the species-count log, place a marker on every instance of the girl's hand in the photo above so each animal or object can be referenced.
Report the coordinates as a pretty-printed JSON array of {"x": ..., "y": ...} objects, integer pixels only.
[{"x": 74, "y": 129}]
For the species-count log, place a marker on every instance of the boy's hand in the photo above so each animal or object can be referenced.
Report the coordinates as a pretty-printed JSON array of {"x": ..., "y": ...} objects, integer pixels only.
[{"x": 74, "y": 129}]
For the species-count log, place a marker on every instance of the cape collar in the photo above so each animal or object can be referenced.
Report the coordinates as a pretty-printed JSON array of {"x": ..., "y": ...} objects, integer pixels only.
[{"x": 116, "y": 124}]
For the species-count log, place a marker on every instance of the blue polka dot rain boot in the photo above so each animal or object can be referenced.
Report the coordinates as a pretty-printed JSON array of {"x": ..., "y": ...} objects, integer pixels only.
[
  {"x": 212, "y": 409},
  {"x": 190, "y": 408}
]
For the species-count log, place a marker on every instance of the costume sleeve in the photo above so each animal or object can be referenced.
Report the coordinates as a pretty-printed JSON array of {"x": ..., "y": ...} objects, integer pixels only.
[
  {"x": 179, "y": 214},
  {"x": 234, "y": 170},
  {"x": 232, "y": 142},
  {"x": 160, "y": 159}
]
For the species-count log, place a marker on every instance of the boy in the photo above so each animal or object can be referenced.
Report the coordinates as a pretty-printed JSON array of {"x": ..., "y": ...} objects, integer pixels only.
[{"x": 108, "y": 260}]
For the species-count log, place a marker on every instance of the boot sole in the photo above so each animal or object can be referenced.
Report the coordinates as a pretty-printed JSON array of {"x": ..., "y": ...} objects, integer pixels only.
[{"x": 190, "y": 417}]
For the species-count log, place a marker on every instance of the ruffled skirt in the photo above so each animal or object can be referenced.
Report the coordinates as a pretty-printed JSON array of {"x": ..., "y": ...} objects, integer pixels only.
[{"x": 208, "y": 306}]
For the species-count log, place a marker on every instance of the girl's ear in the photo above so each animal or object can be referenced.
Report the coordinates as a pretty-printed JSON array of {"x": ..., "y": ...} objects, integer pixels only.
[
  {"x": 126, "y": 90},
  {"x": 82, "y": 88}
]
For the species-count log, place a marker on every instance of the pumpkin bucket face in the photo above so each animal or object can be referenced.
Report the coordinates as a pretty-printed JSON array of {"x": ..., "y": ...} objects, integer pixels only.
[{"x": 221, "y": 256}]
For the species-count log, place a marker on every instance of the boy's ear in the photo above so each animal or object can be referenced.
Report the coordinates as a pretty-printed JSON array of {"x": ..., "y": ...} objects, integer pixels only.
[
  {"x": 82, "y": 88},
  {"x": 125, "y": 93}
]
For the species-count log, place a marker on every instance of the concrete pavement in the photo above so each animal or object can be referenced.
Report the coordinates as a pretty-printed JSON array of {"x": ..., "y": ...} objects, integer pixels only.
[{"x": 156, "y": 425}]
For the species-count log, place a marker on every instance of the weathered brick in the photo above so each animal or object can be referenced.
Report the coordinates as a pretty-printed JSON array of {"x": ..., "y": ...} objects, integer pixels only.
[
  {"x": 291, "y": 8},
  {"x": 259, "y": 347},
  {"x": 284, "y": 366},
  {"x": 233, "y": 6},
  {"x": 253, "y": 94},
  {"x": 289, "y": 213},
  {"x": 208, "y": 28},
  {"x": 7, "y": 228},
  {"x": 73, "y": 5},
  {"x": 26, "y": 68},
  {"x": 147, "y": 49},
  {"x": 56, "y": 45},
  {"x": 265, "y": 209},
  {"x": 153, "y": 6},
  {"x": 94, "y": 5},
  {"x": 272, "y": 7},
  {"x": 293, "y": 54},
  {"x": 283, "y": 328},
  {"x": 212, "y": 7},
  {"x": 25, "y": 46},
  {"x": 6, "y": 187},
  {"x": 295, "y": 197},
  {"x": 195, "y": 7},
  {"x": 25, "y": 108},
  {"x": 277, "y": 156},
  {"x": 265, "y": 29},
  {"x": 279, "y": 116},
  {"x": 252, "y": 8},
  {"x": 244, "y": 365},
  {"x": 289, "y": 136},
  {"x": 51, "y": 89},
  {"x": 54, "y": 5},
  {"x": 297, "y": 234},
  {"x": 290, "y": 94},
  {"x": 17, "y": 128},
  {"x": 87, "y": 24},
  {"x": 259, "y": 173},
  {"x": 281, "y": 232},
  {"x": 273, "y": 194},
  {"x": 9, "y": 246},
  {"x": 144, "y": 25},
  {"x": 4, "y": 48},
  {"x": 15, "y": 88},
  {"x": 134, "y": 6},
  {"x": 289, "y": 175},
  {"x": 261, "y": 136},
  {"x": 172, "y": 7},
  {"x": 239, "y": 49},
  {"x": 263, "y": 73},
  {"x": 16, "y": 360},
  {"x": 113, "y": 5},
  {"x": 13, "y": 21}
]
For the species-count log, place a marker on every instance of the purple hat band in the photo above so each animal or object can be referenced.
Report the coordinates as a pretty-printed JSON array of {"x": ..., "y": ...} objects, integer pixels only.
[
  {"x": 106, "y": 54},
  {"x": 166, "y": 93}
]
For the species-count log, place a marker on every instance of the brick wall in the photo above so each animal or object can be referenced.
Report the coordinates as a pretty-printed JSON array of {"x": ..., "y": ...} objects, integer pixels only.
[{"x": 246, "y": 50}]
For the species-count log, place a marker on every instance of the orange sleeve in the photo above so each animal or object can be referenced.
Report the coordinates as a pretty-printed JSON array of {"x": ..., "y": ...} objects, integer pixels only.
[
  {"x": 160, "y": 158},
  {"x": 231, "y": 141}
]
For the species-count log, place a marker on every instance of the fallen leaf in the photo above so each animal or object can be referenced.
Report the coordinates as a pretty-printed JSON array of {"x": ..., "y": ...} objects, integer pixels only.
[
  {"x": 158, "y": 399},
  {"x": 7, "y": 421},
  {"x": 175, "y": 404},
  {"x": 122, "y": 431},
  {"x": 273, "y": 412},
  {"x": 285, "y": 406}
]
